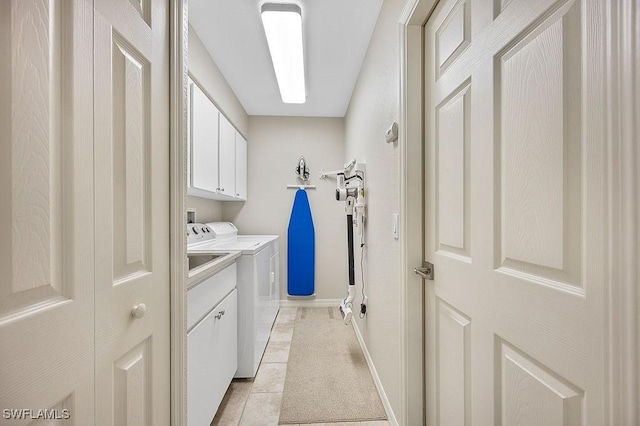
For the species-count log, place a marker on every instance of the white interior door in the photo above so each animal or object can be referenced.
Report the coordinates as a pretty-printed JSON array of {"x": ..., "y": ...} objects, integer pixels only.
[
  {"x": 132, "y": 212},
  {"x": 515, "y": 213},
  {"x": 46, "y": 218}
]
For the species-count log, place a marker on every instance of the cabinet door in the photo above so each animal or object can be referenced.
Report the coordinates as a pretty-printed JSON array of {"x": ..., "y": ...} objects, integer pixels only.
[
  {"x": 212, "y": 360},
  {"x": 227, "y": 157},
  {"x": 202, "y": 295},
  {"x": 241, "y": 167},
  {"x": 204, "y": 141}
]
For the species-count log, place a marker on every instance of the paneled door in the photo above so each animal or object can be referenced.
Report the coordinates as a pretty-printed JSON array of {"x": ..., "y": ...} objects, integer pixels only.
[
  {"x": 515, "y": 213},
  {"x": 46, "y": 211},
  {"x": 132, "y": 212}
]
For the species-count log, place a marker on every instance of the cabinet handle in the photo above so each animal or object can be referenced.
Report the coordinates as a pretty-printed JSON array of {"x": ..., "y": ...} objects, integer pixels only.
[{"x": 220, "y": 314}]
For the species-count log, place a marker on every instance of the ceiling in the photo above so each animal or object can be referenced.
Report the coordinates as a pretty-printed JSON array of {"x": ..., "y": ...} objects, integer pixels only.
[{"x": 336, "y": 35}]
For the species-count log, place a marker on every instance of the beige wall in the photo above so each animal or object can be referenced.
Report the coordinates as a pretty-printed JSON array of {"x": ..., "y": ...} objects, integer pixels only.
[
  {"x": 205, "y": 72},
  {"x": 374, "y": 106},
  {"x": 275, "y": 144}
]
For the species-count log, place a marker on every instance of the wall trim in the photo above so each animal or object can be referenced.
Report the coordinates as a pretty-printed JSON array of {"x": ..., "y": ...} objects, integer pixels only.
[
  {"x": 391, "y": 417},
  {"x": 178, "y": 43},
  {"x": 411, "y": 135},
  {"x": 623, "y": 118},
  {"x": 310, "y": 303}
]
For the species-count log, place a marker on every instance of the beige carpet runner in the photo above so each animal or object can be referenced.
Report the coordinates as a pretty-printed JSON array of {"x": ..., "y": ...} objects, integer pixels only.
[{"x": 327, "y": 379}]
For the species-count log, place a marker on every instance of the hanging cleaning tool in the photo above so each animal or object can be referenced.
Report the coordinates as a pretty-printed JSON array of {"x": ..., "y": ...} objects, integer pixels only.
[
  {"x": 301, "y": 248},
  {"x": 351, "y": 189}
]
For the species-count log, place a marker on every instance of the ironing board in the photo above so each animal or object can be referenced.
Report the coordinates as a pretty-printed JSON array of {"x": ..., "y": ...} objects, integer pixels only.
[{"x": 301, "y": 248}]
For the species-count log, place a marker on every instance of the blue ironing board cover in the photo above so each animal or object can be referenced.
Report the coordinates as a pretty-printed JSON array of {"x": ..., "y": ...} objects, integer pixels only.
[{"x": 301, "y": 248}]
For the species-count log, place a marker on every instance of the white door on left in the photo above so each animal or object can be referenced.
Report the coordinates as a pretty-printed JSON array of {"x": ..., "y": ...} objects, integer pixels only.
[
  {"x": 46, "y": 211},
  {"x": 84, "y": 217},
  {"x": 132, "y": 212}
]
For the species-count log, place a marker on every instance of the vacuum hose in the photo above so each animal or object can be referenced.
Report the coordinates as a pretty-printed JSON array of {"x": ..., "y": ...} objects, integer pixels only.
[
  {"x": 345, "y": 306},
  {"x": 352, "y": 277}
]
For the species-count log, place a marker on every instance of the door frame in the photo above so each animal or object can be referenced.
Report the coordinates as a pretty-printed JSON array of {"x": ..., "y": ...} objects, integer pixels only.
[
  {"x": 622, "y": 130},
  {"x": 411, "y": 134},
  {"x": 178, "y": 65}
]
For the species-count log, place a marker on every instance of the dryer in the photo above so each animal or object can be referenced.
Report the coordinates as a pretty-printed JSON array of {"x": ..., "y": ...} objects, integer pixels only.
[{"x": 258, "y": 284}]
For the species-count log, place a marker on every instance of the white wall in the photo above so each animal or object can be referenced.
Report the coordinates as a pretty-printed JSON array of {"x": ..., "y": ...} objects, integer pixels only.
[
  {"x": 206, "y": 73},
  {"x": 275, "y": 144},
  {"x": 374, "y": 106}
]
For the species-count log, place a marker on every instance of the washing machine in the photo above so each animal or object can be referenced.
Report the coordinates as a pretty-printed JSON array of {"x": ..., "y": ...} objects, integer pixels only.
[{"x": 258, "y": 286}]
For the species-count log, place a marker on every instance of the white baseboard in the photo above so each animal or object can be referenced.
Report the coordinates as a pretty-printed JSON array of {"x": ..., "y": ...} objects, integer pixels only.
[
  {"x": 376, "y": 379},
  {"x": 310, "y": 302}
]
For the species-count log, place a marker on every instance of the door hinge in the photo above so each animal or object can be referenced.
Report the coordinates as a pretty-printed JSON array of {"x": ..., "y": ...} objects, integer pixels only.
[{"x": 426, "y": 272}]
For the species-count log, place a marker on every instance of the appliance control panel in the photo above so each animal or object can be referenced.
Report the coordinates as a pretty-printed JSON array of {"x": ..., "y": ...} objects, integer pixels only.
[
  {"x": 198, "y": 232},
  {"x": 223, "y": 229}
]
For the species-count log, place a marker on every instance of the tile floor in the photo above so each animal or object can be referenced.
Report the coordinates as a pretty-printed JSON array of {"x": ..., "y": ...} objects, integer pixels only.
[{"x": 257, "y": 402}]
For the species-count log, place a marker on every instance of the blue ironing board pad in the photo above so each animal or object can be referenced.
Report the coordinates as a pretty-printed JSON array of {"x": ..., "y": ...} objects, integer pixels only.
[{"x": 300, "y": 248}]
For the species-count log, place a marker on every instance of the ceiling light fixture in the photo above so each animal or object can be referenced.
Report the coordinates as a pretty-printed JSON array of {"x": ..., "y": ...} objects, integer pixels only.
[{"x": 283, "y": 27}]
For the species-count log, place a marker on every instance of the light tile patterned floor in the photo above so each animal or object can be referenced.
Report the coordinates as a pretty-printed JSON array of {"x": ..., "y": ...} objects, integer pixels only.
[{"x": 257, "y": 402}]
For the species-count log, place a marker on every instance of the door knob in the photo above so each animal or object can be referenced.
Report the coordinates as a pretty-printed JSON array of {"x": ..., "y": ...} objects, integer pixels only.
[
  {"x": 139, "y": 310},
  {"x": 426, "y": 272}
]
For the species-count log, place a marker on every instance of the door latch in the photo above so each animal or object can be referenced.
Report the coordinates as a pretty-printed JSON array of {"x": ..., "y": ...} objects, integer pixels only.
[{"x": 426, "y": 272}]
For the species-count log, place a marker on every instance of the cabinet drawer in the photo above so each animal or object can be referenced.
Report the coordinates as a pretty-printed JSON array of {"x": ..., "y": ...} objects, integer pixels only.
[
  {"x": 212, "y": 360},
  {"x": 203, "y": 296}
]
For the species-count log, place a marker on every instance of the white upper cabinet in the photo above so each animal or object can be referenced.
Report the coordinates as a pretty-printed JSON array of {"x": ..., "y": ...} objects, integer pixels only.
[
  {"x": 204, "y": 143},
  {"x": 241, "y": 167},
  {"x": 217, "y": 158},
  {"x": 227, "y": 157}
]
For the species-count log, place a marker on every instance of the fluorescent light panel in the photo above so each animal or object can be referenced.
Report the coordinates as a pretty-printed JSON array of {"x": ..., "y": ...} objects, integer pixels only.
[{"x": 283, "y": 27}]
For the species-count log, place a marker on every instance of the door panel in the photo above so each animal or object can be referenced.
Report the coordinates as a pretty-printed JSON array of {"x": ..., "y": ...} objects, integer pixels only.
[
  {"x": 453, "y": 365},
  {"x": 46, "y": 223},
  {"x": 241, "y": 167},
  {"x": 131, "y": 198},
  {"x": 538, "y": 142},
  {"x": 452, "y": 162},
  {"x": 227, "y": 157},
  {"x": 204, "y": 141},
  {"x": 521, "y": 380},
  {"x": 514, "y": 213}
]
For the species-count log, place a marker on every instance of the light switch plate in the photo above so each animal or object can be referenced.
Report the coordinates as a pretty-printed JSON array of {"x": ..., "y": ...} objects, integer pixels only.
[
  {"x": 396, "y": 225},
  {"x": 191, "y": 215}
]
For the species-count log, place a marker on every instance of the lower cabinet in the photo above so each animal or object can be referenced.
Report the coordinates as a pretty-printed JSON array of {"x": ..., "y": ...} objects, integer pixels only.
[{"x": 212, "y": 360}]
